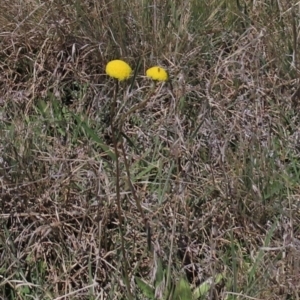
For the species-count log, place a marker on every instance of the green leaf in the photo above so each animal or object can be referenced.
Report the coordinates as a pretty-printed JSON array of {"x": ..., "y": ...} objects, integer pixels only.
[
  {"x": 25, "y": 290},
  {"x": 159, "y": 276},
  {"x": 144, "y": 172},
  {"x": 183, "y": 290},
  {"x": 204, "y": 288},
  {"x": 146, "y": 289},
  {"x": 91, "y": 133},
  {"x": 219, "y": 278}
]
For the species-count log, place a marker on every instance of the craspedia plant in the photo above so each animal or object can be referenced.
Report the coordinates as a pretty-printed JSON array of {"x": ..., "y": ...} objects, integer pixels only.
[
  {"x": 118, "y": 69},
  {"x": 157, "y": 73}
]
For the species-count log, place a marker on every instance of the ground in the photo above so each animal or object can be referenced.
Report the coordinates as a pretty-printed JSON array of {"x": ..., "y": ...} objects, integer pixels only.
[{"x": 141, "y": 189}]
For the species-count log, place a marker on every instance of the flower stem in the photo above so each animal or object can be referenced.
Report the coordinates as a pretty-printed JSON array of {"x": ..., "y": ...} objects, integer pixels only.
[{"x": 115, "y": 143}]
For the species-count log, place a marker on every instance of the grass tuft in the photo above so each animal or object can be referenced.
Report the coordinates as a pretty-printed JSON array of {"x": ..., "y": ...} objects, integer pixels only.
[{"x": 189, "y": 189}]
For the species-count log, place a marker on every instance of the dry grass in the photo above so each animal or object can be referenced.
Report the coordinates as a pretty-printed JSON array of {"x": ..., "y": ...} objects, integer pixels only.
[{"x": 213, "y": 157}]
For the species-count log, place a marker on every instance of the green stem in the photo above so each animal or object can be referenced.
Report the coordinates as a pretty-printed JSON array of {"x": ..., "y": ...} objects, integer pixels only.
[{"x": 115, "y": 143}]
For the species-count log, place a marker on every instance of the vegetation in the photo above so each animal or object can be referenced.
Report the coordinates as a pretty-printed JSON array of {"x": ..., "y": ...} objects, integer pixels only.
[{"x": 185, "y": 189}]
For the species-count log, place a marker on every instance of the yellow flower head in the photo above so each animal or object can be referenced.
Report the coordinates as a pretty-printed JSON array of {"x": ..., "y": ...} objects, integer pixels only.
[
  {"x": 157, "y": 73},
  {"x": 118, "y": 69}
]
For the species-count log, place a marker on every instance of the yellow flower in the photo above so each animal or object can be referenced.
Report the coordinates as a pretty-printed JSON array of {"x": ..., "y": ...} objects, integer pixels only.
[
  {"x": 118, "y": 69},
  {"x": 157, "y": 73}
]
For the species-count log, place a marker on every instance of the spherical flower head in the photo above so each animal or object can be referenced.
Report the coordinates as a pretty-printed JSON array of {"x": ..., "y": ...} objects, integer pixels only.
[
  {"x": 157, "y": 73},
  {"x": 118, "y": 69}
]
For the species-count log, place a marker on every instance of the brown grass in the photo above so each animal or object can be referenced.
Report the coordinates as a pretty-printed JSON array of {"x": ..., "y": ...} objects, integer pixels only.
[{"x": 213, "y": 156}]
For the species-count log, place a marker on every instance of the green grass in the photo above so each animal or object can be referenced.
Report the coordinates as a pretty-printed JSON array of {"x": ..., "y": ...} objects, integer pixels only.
[{"x": 193, "y": 194}]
